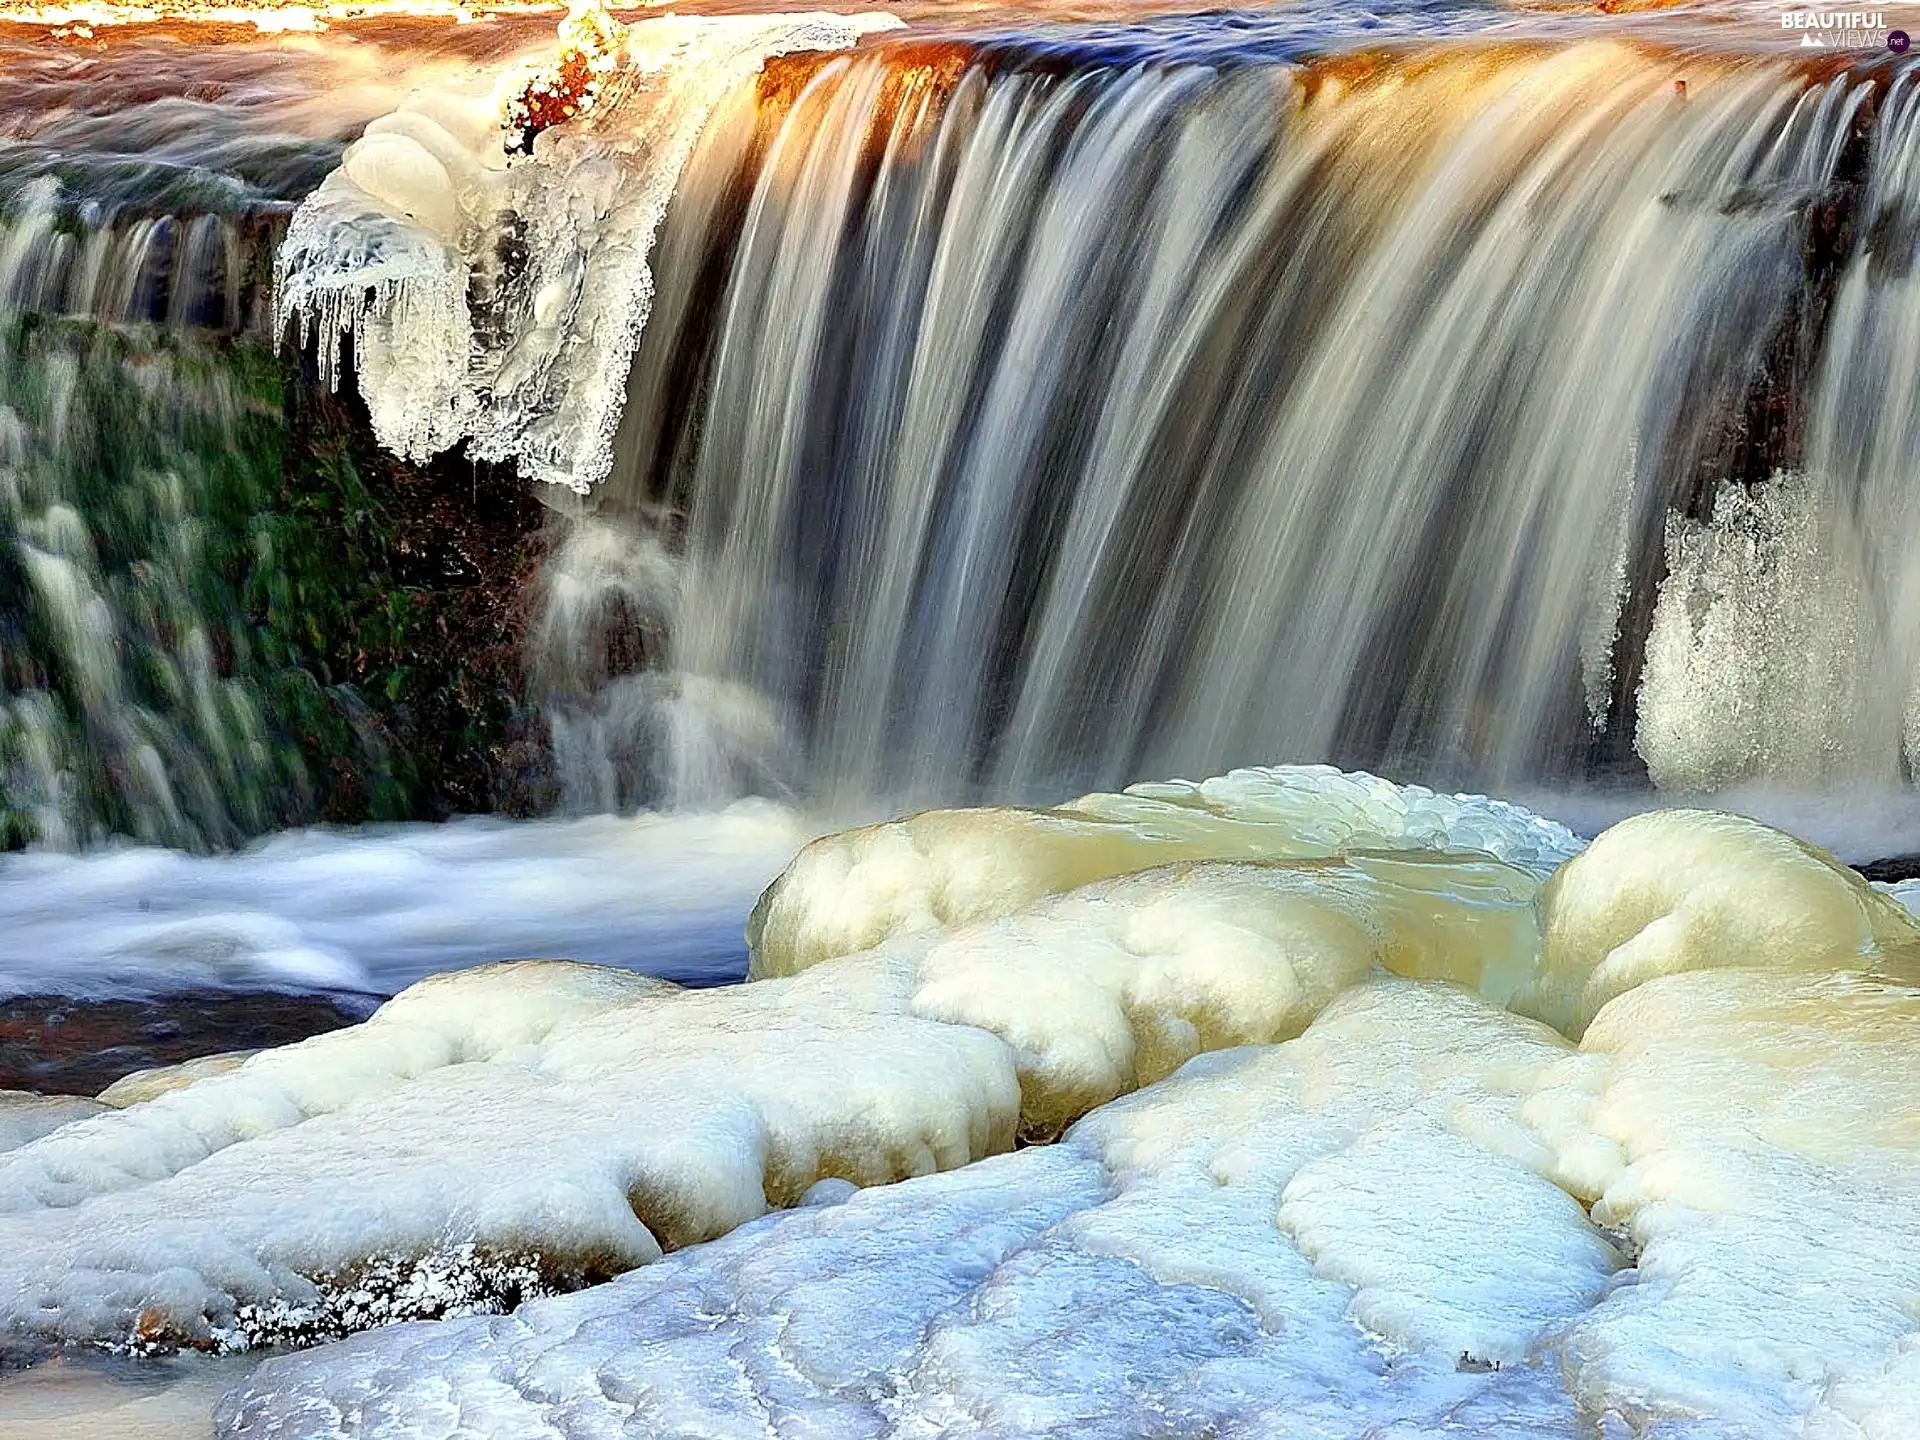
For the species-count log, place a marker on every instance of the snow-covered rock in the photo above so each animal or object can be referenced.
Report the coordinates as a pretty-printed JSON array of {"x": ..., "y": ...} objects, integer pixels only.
[
  {"x": 1308, "y": 1239},
  {"x": 1423, "y": 1215},
  {"x": 852, "y": 890},
  {"x": 1676, "y": 890},
  {"x": 1313, "y": 1178},
  {"x": 26, "y": 1116},
  {"x": 1754, "y": 1134},
  {"x": 1378, "y": 1229}
]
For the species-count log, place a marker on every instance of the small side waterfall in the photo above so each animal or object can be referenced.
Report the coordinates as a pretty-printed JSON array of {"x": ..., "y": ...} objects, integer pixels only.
[
  {"x": 181, "y": 272},
  {"x": 130, "y": 453},
  {"x": 151, "y": 666},
  {"x": 1494, "y": 414}
]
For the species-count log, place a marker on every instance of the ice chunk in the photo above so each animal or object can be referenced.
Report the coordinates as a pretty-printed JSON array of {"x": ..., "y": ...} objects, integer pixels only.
[
  {"x": 1678, "y": 890},
  {"x": 484, "y": 1134},
  {"x": 1769, "y": 657},
  {"x": 1117, "y": 983},
  {"x": 499, "y": 303},
  {"x": 1177, "y": 1266},
  {"x": 850, "y": 891},
  {"x": 497, "y": 1131},
  {"x": 164, "y": 1079}
]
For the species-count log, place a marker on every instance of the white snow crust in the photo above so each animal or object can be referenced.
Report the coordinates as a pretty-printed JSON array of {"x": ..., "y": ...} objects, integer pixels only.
[
  {"x": 1675, "y": 890},
  {"x": 1378, "y": 1229},
  {"x": 546, "y": 1123},
  {"x": 26, "y": 1116}
]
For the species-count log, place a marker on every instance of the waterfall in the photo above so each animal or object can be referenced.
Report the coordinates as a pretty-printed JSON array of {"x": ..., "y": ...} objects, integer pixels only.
[
  {"x": 184, "y": 272},
  {"x": 1497, "y": 415},
  {"x": 174, "y": 605},
  {"x": 127, "y": 444}
]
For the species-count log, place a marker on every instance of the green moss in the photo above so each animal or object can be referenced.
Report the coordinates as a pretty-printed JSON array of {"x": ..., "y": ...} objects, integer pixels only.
[{"x": 221, "y": 611}]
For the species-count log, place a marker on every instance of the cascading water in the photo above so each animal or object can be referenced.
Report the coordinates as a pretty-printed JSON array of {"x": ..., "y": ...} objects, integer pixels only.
[
  {"x": 141, "y": 443},
  {"x": 127, "y": 699},
  {"x": 1409, "y": 411}
]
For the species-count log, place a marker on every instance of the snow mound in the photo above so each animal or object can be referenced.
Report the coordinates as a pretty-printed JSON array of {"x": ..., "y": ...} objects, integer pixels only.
[
  {"x": 851, "y": 891},
  {"x": 498, "y": 1132},
  {"x": 1116, "y": 984},
  {"x": 498, "y": 300},
  {"x": 160, "y": 1080},
  {"x": 1423, "y": 1213},
  {"x": 1675, "y": 890},
  {"x": 1753, "y": 1135}
]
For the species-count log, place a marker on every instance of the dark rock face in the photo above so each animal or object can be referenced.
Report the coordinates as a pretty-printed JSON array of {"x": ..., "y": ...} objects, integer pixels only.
[
  {"x": 66, "y": 1046},
  {"x": 400, "y": 595},
  {"x": 1892, "y": 869},
  {"x": 1750, "y": 420}
]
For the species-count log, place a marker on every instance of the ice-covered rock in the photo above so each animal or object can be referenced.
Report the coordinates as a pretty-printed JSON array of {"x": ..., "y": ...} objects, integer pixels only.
[
  {"x": 1675, "y": 890},
  {"x": 1323, "y": 1237},
  {"x": 494, "y": 1132},
  {"x": 1377, "y": 1229},
  {"x": 1313, "y": 1179},
  {"x": 161, "y": 1080},
  {"x": 849, "y": 891},
  {"x": 1753, "y": 1133},
  {"x": 497, "y": 299},
  {"x": 1423, "y": 1215}
]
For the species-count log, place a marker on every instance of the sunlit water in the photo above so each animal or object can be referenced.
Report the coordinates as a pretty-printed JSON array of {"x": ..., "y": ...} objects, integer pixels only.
[{"x": 145, "y": 178}]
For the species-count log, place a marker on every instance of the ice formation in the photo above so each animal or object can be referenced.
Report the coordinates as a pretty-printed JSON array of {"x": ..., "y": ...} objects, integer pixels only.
[
  {"x": 505, "y": 1129},
  {"x": 1767, "y": 656},
  {"x": 849, "y": 891},
  {"x": 1311, "y": 1177},
  {"x": 497, "y": 299},
  {"x": 26, "y": 1116},
  {"x": 1379, "y": 1229},
  {"x": 1186, "y": 1261},
  {"x": 1675, "y": 890}
]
